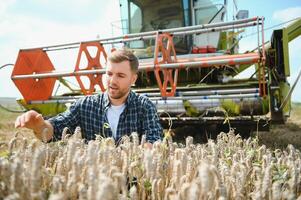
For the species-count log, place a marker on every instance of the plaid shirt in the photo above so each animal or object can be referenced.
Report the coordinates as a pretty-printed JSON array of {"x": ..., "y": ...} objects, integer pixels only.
[{"x": 89, "y": 113}]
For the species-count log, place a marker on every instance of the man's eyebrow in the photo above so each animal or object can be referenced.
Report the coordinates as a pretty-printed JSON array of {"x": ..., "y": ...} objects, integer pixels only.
[{"x": 120, "y": 73}]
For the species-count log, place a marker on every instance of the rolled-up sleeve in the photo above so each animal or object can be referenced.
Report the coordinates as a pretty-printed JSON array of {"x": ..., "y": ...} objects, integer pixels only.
[
  {"x": 69, "y": 119},
  {"x": 151, "y": 124}
]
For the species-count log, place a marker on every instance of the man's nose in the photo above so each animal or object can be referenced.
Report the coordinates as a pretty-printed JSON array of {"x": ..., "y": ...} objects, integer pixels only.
[{"x": 113, "y": 79}]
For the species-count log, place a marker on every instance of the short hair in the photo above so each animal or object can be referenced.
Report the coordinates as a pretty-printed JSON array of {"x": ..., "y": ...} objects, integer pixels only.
[{"x": 121, "y": 55}]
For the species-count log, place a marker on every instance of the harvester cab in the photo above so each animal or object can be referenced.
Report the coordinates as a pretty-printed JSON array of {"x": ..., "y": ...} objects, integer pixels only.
[
  {"x": 143, "y": 16},
  {"x": 189, "y": 59}
]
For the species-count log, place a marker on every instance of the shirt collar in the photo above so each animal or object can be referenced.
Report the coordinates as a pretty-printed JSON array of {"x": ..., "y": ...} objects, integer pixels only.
[{"x": 107, "y": 102}]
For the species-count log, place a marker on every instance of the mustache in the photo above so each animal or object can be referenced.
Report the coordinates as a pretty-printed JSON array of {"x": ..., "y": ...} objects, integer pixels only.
[{"x": 113, "y": 86}]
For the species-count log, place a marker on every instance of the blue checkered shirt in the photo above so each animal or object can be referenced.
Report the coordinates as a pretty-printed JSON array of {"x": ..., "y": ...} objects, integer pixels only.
[{"x": 89, "y": 113}]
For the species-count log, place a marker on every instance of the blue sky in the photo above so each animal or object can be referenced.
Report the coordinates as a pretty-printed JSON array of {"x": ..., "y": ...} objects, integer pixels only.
[{"x": 31, "y": 23}]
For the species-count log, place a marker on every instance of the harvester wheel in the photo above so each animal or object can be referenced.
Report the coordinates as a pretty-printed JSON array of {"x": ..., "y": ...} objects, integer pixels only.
[
  {"x": 33, "y": 62},
  {"x": 93, "y": 62}
]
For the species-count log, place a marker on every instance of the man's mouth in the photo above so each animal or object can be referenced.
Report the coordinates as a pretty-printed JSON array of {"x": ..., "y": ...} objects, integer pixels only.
[{"x": 113, "y": 88}]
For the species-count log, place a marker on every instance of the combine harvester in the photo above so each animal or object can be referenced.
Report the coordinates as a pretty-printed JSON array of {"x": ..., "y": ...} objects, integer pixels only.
[{"x": 189, "y": 62}]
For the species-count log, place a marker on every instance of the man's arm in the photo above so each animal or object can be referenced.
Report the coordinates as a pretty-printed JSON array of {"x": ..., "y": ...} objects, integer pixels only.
[
  {"x": 52, "y": 128},
  {"x": 33, "y": 120},
  {"x": 151, "y": 124}
]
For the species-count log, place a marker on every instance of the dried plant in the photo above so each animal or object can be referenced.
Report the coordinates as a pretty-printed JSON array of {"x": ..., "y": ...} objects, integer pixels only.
[{"x": 228, "y": 168}]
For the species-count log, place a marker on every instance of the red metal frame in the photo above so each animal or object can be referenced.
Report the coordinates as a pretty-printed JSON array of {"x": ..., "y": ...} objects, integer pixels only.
[
  {"x": 165, "y": 46},
  {"x": 204, "y": 60},
  {"x": 93, "y": 63}
]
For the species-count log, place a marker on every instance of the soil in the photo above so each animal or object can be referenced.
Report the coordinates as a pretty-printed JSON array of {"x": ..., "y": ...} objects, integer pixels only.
[{"x": 280, "y": 136}]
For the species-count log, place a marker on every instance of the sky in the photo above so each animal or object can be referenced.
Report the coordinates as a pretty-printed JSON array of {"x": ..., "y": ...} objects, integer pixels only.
[{"x": 34, "y": 23}]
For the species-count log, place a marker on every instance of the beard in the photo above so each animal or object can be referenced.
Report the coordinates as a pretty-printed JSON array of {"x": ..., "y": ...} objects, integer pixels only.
[{"x": 117, "y": 93}]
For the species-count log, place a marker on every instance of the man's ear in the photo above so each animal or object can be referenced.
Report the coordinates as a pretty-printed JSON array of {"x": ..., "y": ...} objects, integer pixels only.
[{"x": 134, "y": 78}]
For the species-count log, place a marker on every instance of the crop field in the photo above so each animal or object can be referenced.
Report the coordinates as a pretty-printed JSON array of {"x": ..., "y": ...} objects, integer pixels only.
[
  {"x": 265, "y": 166},
  {"x": 281, "y": 135}
]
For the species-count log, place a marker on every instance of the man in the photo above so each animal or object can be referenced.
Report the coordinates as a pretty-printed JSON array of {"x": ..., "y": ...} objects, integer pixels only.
[{"x": 117, "y": 112}]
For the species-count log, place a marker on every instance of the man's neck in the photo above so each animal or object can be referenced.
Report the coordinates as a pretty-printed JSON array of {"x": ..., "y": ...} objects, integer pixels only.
[{"x": 120, "y": 101}]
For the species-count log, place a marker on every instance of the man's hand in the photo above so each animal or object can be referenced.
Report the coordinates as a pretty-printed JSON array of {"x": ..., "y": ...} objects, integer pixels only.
[
  {"x": 33, "y": 120},
  {"x": 148, "y": 145}
]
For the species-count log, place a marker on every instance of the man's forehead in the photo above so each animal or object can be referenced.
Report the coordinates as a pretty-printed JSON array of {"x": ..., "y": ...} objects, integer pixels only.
[{"x": 123, "y": 66}]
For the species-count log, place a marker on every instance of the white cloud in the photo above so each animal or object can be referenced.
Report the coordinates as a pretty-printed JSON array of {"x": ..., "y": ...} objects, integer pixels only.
[
  {"x": 248, "y": 44},
  {"x": 5, "y": 4},
  {"x": 31, "y": 30},
  {"x": 295, "y": 66},
  {"x": 287, "y": 14},
  {"x": 295, "y": 49},
  {"x": 74, "y": 2},
  {"x": 20, "y": 31}
]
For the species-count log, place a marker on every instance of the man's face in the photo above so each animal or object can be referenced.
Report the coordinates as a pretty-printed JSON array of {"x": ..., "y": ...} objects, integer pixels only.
[{"x": 119, "y": 78}]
